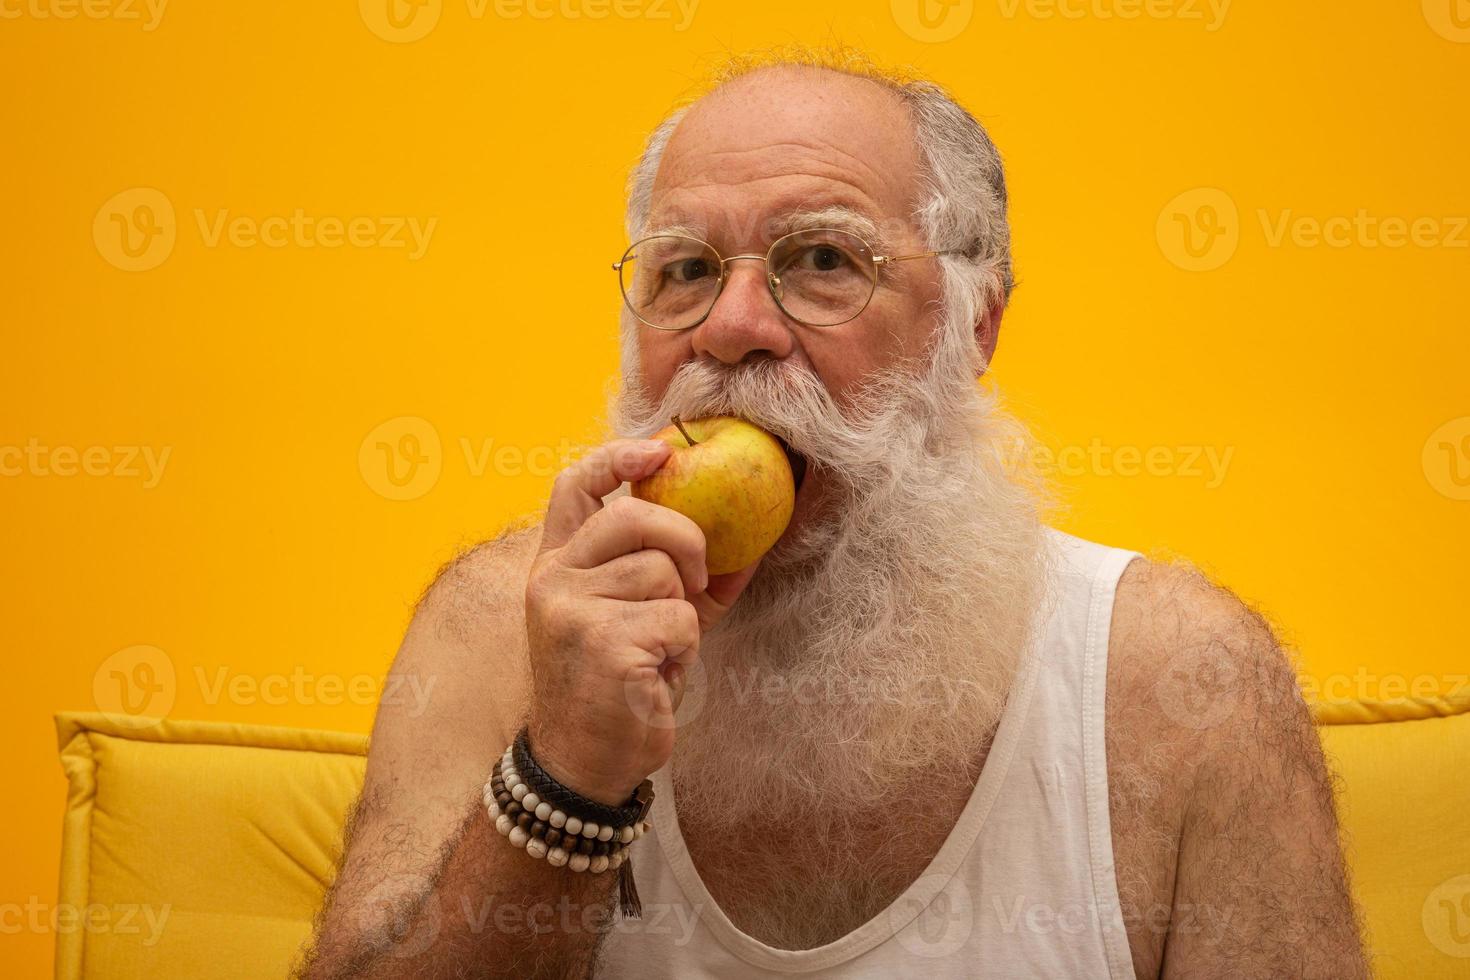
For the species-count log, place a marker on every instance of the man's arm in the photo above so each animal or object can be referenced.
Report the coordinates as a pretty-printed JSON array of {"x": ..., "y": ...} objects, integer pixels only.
[
  {"x": 426, "y": 886},
  {"x": 1261, "y": 888}
]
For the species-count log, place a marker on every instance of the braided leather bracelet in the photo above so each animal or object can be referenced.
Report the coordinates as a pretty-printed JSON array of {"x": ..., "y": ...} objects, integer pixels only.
[
  {"x": 563, "y": 827},
  {"x": 573, "y": 803}
]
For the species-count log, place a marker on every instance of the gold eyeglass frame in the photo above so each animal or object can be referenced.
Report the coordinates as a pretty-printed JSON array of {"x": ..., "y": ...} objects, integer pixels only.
[{"x": 773, "y": 281}]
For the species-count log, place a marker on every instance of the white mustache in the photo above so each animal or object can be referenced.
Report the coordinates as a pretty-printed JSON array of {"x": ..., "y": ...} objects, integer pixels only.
[{"x": 787, "y": 400}]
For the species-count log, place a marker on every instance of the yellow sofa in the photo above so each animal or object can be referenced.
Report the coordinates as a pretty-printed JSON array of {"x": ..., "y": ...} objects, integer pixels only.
[{"x": 200, "y": 850}]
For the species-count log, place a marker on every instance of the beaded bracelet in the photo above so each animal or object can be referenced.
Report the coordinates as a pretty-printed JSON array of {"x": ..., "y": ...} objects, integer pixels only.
[{"x": 565, "y": 834}]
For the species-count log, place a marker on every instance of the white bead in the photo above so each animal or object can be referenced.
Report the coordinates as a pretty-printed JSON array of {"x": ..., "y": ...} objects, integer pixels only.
[
  {"x": 626, "y": 834},
  {"x": 518, "y": 837},
  {"x": 574, "y": 825},
  {"x": 598, "y": 864},
  {"x": 615, "y": 859},
  {"x": 557, "y": 819},
  {"x": 579, "y": 862},
  {"x": 543, "y": 811},
  {"x": 589, "y": 830},
  {"x": 604, "y": 833},
  {"x": 519, "y": 792},
  {"x": 510, "y": 777},
  {"x": 530, "y": 801},
  {"x": 556, "y": 857},
  {"x": 493, "y": 808},
  {"x": 503, "y": 824},
  {"x": 536, "y": 847}
]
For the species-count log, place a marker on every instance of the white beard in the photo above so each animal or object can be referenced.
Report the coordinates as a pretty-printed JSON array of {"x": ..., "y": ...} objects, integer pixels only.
[{"x": 877, "y": 642}]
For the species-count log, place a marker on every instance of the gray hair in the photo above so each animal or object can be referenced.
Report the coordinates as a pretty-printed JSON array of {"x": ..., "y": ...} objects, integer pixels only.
[{"x": 962, "y": 200}]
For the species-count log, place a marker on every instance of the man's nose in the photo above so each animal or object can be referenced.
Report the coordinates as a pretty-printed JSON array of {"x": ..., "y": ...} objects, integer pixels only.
[{"x": 745, "y": 318}]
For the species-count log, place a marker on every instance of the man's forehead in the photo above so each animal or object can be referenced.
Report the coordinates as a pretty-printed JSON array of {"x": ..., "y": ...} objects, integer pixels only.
[{"x": 781, "y": 141}]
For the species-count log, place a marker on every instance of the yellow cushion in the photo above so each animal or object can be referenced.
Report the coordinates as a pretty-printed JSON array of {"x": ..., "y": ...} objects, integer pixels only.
[
  {"x": 1404, "y": 802},
  {"x": 222, "y": 838},
  {"x": 214, "y": 841}
]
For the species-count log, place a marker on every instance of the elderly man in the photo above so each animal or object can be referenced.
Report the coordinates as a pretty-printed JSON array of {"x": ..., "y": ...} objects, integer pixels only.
[{"x": 924, "y": 734}]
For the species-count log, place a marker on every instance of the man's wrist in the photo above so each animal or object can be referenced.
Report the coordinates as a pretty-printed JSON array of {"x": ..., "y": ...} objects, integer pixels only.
[{"x": 569, "y": 767}]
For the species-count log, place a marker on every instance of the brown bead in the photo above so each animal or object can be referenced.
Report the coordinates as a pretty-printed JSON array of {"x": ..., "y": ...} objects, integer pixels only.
[
  {"x": 599, "y": 849},
  {"x": 504, "y": 799},
  {"x": 584, "y": 846},
  {"x": 524, "y": 820},
  {"x": 538, "y": 828},
  {"x": 513, "y": 808},
  {"x": 497, "y": 785},
  {"x": 553, "y": 837},
  {"x": 569, "y": 843}
]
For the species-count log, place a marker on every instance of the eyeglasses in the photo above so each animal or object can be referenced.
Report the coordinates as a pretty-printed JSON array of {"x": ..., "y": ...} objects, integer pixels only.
[{"x": 821, "y": 278}]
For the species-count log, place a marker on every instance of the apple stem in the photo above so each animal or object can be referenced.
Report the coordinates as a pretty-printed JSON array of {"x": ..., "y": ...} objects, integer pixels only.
[{"x": 680, "y": 426}]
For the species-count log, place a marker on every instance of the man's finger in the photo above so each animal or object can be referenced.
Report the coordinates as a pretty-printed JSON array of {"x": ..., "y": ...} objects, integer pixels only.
[
  {"x": 578, "y": 491},
  {"x": 628, "y": 525}
]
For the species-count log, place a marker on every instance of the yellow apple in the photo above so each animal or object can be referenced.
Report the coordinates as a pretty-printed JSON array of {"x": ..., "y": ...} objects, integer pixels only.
[{"x": 730, "y": 477}]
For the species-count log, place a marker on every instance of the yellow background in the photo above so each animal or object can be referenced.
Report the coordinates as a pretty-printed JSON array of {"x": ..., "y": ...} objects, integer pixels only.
[{"x": 266, "y": 557}]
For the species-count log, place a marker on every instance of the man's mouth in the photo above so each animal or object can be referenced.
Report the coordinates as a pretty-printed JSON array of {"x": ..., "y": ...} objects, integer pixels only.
[{"x": 797, "y": 461}]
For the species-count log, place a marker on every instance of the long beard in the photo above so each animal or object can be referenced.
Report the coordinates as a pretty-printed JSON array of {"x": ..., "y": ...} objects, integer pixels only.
[{"x": 876, "y": 644}]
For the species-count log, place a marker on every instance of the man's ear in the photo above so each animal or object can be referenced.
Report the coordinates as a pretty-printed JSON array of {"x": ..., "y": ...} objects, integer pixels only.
[{"x": 987, "y": 331}]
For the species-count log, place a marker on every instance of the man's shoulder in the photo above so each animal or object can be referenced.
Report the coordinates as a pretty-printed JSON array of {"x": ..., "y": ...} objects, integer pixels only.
[
  {"x": 482, "y": 585},
  {"x": 1194, "y": 672}
]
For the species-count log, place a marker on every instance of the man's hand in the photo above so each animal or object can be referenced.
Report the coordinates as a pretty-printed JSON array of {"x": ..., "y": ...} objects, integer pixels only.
[{"x": 616, "y": 601}]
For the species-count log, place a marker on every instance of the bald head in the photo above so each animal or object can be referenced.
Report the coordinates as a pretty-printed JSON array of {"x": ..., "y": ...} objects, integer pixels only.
[{"x": 786, "y": 139}]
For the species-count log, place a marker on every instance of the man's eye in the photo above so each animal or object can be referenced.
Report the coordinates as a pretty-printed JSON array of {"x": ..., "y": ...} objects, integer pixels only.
[
  {"x": 688, "y": 270},
  {"x": 822, "y": 258}
]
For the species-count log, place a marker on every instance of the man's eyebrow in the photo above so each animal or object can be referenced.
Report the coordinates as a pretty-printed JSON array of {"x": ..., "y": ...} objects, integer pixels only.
[
  {"x": 688, "y": 231},
  {"x": 838, "y": 216}
]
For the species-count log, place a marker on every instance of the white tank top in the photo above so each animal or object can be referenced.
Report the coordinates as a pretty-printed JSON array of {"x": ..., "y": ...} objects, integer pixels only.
[{"x": 1022, "y": 887}]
